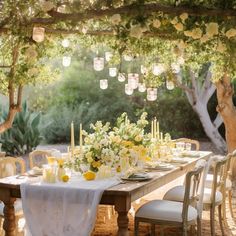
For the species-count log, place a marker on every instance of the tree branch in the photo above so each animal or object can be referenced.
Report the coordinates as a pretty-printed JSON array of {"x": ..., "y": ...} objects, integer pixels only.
[
  {"x": 133, "y": 9},
  {"x": 218, "y": 121}
]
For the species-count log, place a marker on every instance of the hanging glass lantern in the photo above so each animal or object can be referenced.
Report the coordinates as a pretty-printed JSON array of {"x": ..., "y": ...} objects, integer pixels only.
[
  {"x": 128, "y": 89},
  {"x": 158, "y": 69},
  {"x": 151, "y": 94},
  {"x": 170, "y": 84},
  {"x": 133, "y": 79},
  {"x": 65, "y": 43},
  {"x": 128, "y": 58},
  {"x": 108, "y": 56},
  {"x": 98, "y": 63},
  {"x": 141, "y": 87},
  {"x": 113, "y": 71},
  {"x": 66, "y": 60},
  {"x": 103, "y": 84},
  {"x": 175, "y": 68},
  {"x": 180, "y": 61},
  {"x": 38, "y": 34},
  {"x": 121, "y": 77},
  {"x": 143, "y": 69}
]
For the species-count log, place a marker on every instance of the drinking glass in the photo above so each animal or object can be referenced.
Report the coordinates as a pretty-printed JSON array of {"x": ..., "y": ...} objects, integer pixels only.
[
  {"x": 49, "y": 173},
  {"x": 188, "y": 146}
]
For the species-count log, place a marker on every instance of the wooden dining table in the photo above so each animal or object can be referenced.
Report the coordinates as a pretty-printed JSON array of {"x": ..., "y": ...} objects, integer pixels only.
[{"x": 120, "y": 196}]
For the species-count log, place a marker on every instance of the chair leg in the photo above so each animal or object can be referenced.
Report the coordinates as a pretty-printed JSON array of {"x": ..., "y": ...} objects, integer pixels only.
[
  {"x": 220, "y": 220},
  {"x": 230, "y": 203},
  {"x": 224, "y": 206},
  {"x": 152, "y": 229},
  {"x": 136, "y": 225},
  {"x": 185, "y": 231},
  {"x": 212, "y": 221},
  {"x": 199, "y": 227}
]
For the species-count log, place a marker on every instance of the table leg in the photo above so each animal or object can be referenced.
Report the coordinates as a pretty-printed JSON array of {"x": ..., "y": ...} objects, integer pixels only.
[
  {"x": 9, "y": 225},
  {"x": 122, "y": 206}
]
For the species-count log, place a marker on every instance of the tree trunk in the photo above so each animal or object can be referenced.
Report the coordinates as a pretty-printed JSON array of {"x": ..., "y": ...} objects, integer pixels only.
[{"x": 227, "y": 110}]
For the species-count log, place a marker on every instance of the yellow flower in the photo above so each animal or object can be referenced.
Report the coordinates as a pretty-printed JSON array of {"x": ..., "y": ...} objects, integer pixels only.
[
  {"x": 156, "y": 23},
  {"x": 127, "y": 143},
  {"x": 230, "y": 33},
  {"x": 96, "y": 164},
  {"x": 197, "y": 33},
  {"x": 115, "y": 19},
  {"x": 89, "y": 175},
  {"x": 65, "y": 178},
  {"x": 136, "y": 31},
  {"x": 221, "y": 47},
  {"x": 174, "y": 21},
  {"x": 188, "y": 33},
  {"x": 212, "y": 29},
  {"x": 138, "y": 138},
  {"x": 179, "y": 26},
  {"x": 183, "y": 16},
  {"x": 204, "y": 38}
]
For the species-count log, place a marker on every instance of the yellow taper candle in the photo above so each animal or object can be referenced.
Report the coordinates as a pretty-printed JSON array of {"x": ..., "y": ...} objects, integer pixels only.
[
  {"x": 158, "y": 131},
  {"x": 155, "y": 127},
  {"x": 80, "y": 136},
  {"x": 72, "y": 139},
  {"x": 161, "y": 137},
  {"x": 152, "y": 129}
]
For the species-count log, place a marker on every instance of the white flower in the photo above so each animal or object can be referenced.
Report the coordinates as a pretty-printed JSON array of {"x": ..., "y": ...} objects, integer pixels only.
[
  {"x": 188, "y": 33},
  {"x": 31, "y": 53},
  {"x": 204, "y": 38},
  {"x": 179, "y": 26},
  {"x": 212, "y": 29},
  {"x": 183, "y": 16},
  {"x": 230, "y": 33},
  {"x": 115, "y": 19},
  {"x": 221, "y": 47},
  {"x": 197, "y": 33},
  {"x": 156, "y": 23},
  {"x": 174, "y": 21},
  {"x": 47, "y": 6},
  {"x": 136, "y": 31}
]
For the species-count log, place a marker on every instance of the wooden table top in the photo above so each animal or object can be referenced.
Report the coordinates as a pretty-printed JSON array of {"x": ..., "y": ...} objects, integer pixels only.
[{"x": 134, "y": 189}]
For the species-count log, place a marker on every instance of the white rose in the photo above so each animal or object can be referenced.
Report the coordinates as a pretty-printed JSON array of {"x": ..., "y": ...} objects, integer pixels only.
[
  {"x": 47, "y": 6},
  {"x": 221, "y": 47},
  {"x": 115, "y": 19},
  {"x": 188, "y": 33},
  {"x": 197, "y": 33},
  {"x": 212, "y": 29},
  {"x": 136, "y": 31},
  {"x": 230, "y": 33},
  {"x": 183, "y": 16},
  {"x": 156, "y": 23},
  {"x": 204, "y": 38},
  {"x": 179, "y": 26}
]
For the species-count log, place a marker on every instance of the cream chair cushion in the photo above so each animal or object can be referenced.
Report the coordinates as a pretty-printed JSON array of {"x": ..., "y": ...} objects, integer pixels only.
[
  {"x": 17, "y": 206},
  {"x": 209, "y": 181},
  {"x": 207, "y": 196},
  {"x": 162, "y": 210}
]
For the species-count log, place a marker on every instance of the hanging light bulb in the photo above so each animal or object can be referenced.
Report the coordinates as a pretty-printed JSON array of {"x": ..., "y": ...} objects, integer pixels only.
[
  {"x": 103, "y": 84},
  {"x": 121, "y": 77},
  {"x": 38, "y": 34},
  {"x": 65, "y": 43},
  {"x": 128, "y": 58},
  {"x": 158, "y": 69},
  {"x": 141, "y": 87},
  {"x": 133, "y": 79},
  {"x": 108, "y": 56},
  {"x": 151, "y": 94},
  {"x": 143, "y": 69},
  {"x": 66, "y": 60},
  {"x": 98, "y": 63},
  {"x": 113, "y": 71},
  {"x": 175, "y": 68},
  {"x": 128, "y": 89},
  {"x": 170, "y": 84}
]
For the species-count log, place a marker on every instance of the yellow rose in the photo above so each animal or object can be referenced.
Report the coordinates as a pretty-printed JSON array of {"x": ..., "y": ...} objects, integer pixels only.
[
  {"x": 183, "y": 16},
  {"x": 221, "y": 47},
  {"x": 115, "y": 19},
  {"x": 230, "y": 33},
  {"x": 188, "y": 33},
  {"x": 212, "y": 29},
  {"x": 179, "y": 27},
  {"x": 204, "y": 38},
  {"x": 156, "y": 23},
  {"x": 96, "y": 164},
  {"x": 138, "y": 138},
  {"x": 197, "y": 33}
]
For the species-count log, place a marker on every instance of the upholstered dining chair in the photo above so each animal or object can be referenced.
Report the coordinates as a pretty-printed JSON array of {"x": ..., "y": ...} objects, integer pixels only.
[
  {"x": 11, "y": 166},
  {"x": 225, "y": 189},
  {"x": 187, "y": 140},
  {"x": 179, "y": 214},
  {"x": 38, "y": 158},
  {"x": 212, "y": 197}
]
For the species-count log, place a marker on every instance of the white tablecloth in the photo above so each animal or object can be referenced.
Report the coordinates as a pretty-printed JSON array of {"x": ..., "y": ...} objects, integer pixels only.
[{"x": 62, "y": 209}]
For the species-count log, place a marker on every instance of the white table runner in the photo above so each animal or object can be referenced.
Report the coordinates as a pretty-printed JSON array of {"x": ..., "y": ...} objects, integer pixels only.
[{"x": 62, "y": 209}]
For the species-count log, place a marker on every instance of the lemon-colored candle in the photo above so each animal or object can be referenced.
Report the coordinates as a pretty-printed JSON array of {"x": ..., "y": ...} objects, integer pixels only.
[
  {"x": 158, "y": 130},
  {"x": 155, "y": 127},
  {"x": 80, "y": 136},
  {"x": 161, "y": 136},
  {"x": 152, "y": 129},
  {"x": 72, "y": 136}
]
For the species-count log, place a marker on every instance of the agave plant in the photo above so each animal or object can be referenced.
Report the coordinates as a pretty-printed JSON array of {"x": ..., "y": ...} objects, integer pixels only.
[{"x": 24, "y": 135}]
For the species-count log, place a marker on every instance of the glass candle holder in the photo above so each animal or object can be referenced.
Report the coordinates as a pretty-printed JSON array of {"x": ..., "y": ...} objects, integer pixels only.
[
  {"x": 38, "y": 34},
  {"x": 103, "y": 84},
  {"x": 141, "y": 87},
  {"x": 98, "y": 63},
  {"x": 170, "y": 85},
  {"x": 66, "y": 60},
  {"x": 158, "y": 69},
  {"x": 49, "y": 173},
  {"x": 108, "y": 56},
  {"x": 113, "y": 71},
  {"x": 133, "y": 79},
  {"x": 65, "y": 43},
  {"x": 128, "y": 89},
  {"x": 151, "y": 94},
  {"x": 121, "y": 77}
]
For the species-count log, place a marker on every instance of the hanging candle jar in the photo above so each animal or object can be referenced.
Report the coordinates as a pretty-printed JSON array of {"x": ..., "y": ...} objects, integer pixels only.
[
  {"x": 65, "y": 43},
  {"x": 103, "y": 84},
  {"x": 158, "y": 68},
  {"x": 121, "y": 77},
  {"x": 170, "y": 84},
  {"x": 98, "y": 63},
  {"x": 141, "y": 87},
  {"x": 66, "y": 60},
  {"x": 151, "y": 94},
  {"x": 112, "y": 71},
  {"x": 143, "y": 69},
  {"x": 38, "y": 34},
  {"x": 108, "y": 56},
  {"x": 128, "y": 58},
  {"x": 133, "y": 79},
  {"x": 128, "y": 89}
]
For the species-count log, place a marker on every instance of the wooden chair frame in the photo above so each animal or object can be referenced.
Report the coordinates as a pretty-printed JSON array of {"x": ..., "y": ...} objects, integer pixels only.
[
  {"x": 37, "y": 153},
  {"x": 187, "y": 140}
]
